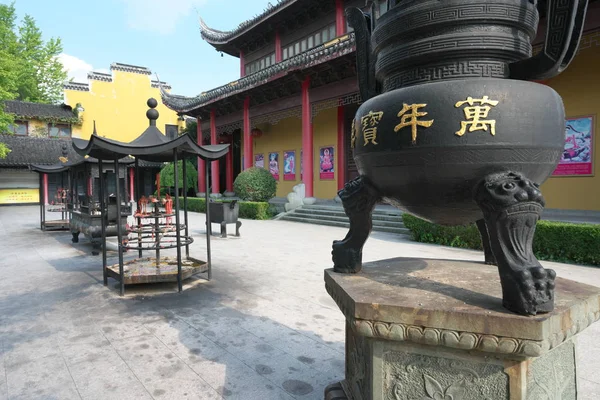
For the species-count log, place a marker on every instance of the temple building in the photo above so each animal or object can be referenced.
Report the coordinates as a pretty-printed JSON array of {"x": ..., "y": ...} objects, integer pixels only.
[{"x": 291, "y": 108}]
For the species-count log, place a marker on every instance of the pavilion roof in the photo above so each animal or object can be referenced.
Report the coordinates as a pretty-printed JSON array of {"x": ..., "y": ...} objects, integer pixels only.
[
  {"x": 338, "y": 47},
  {"x": 151, "y": 145}
]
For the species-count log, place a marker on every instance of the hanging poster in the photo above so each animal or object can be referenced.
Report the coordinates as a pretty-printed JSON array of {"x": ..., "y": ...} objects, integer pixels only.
[
  {"x": 289, "y": 165},
  {"x": 259, "y": 161},
  {"x": 577, "y": 157},
  {"x": 326, "y": 163},
  {"x": 274, "y": 165}
]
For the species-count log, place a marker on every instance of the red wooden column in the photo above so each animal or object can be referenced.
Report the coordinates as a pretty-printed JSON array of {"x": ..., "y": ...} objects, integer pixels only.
[
  {"x": 45, "y": 188},
  {"x": 248, "y": 155},
  {"x": 278, "y": 51},
  {"x": 242, "y": 66},
  {"x": 340, "y": 19},
  {"x": 201, "y": 164},
  {"x": 341, "y": 148},
  {"x": 131, "y": 185},
  {"x": 307, "y": 139},
  {"x": 215, "y": 184},
  {"x": 229, "y": 171}
]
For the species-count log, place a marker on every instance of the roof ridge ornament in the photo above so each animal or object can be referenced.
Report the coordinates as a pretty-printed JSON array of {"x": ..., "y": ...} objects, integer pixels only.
[{"x": 152, "y": 113}]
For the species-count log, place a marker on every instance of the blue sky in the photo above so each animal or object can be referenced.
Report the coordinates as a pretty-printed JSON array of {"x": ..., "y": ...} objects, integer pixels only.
[{"x": 162, "y": 35}]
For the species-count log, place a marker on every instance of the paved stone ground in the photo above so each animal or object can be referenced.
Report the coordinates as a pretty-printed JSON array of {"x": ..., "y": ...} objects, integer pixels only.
[{"x": 263, "y": 328}]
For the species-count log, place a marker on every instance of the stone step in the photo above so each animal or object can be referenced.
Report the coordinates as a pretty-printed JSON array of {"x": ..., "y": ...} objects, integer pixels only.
[
  {"x": 344, "y": 218},
  {"x": 340, "y": 213},
  {"x": 293, "y": 217},
  {"x": 390, "y": 212}
]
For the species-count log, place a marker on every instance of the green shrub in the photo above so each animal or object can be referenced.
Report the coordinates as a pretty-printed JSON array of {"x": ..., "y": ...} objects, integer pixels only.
[
  {"x": 553, "y": 241},
  {"x": 255, "y": 184}
]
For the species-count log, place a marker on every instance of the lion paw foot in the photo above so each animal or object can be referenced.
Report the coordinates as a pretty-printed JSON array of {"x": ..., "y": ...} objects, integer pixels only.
[
  {"x": 346, "y": 259},
  {"x": 529, "y": 291}
]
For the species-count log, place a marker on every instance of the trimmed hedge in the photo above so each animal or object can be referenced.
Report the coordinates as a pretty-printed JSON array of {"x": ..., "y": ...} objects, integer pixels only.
[
  {"x": 553, "y": 241},
  {"x": 248, "y": 209}
]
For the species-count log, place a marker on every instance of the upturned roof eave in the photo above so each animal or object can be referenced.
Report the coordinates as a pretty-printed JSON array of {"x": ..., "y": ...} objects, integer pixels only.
[{"x": 218, "y": 38}]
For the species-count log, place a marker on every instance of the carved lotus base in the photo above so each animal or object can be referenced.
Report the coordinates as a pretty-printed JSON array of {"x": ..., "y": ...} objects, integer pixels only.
[{"x": 436, "y": 329}]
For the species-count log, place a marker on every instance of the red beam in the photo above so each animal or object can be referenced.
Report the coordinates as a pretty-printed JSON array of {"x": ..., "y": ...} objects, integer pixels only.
[
  {"x": 307, "y": 138},
  {"x": 248, "y": 154},
  {"x": 201, "y": 166},
  {"x": 215, "y": 184},
  {"x": 278, "y": 51},
  {"x": 341, "y": 148},
  {"x": 340, "y": 20}
]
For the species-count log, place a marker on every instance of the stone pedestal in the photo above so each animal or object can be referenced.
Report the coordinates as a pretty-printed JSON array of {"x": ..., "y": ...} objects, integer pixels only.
[{"x": 421, "y": 329}]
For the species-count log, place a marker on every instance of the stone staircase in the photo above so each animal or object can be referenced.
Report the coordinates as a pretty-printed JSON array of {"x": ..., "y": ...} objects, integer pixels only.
[{"x": 384, "y": 219}]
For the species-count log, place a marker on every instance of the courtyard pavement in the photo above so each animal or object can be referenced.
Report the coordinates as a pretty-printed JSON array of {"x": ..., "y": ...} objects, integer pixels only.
[{"x": 264, "y": 328}]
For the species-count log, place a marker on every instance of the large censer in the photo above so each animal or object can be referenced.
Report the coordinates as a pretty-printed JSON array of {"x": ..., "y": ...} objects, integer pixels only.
[{"x": 453, "y": 131}]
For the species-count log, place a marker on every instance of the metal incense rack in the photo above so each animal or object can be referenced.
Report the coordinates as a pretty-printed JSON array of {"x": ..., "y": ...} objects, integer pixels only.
[{"x": 157, "y": 225}]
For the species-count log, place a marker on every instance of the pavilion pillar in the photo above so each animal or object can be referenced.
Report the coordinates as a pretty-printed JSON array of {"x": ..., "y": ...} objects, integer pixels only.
[
  {"x": 340, "y": 19},
  {"x": 45, "y": 188},
  {"x": 307, "y": 139},
  {"x": 278, "y": 51},
  {"x": 248, "y": 156},
  {"x": 242, "y": 65},
  {"x": 341, "y": 148},
  {"x": 201, "y": 163},
  {"x": 215, "y": 184},
  {"x": 131, "y": 176}
]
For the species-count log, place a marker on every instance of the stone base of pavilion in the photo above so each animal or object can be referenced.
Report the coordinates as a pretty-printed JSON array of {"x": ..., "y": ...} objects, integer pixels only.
[
  {"x": 436, "y": 329},
  {"x": 148, "y": 270}
]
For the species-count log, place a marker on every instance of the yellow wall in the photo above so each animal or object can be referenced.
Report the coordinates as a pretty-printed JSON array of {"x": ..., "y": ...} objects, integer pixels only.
[
  {"x": 287, "y": 135},
  {"x": 579, "y": 86},
  {"x": 119, "y": 107}
]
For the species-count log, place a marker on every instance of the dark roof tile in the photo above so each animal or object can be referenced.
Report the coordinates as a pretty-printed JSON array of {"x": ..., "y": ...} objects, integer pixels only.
[
  {"x": 32, "y": 110},
  {"x": 25, "y": 150}
]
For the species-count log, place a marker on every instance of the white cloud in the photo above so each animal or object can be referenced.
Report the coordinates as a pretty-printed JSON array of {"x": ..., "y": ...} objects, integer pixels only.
[
  {"x": 77, "y": 69},
  {"x": 159, "y": 16}
]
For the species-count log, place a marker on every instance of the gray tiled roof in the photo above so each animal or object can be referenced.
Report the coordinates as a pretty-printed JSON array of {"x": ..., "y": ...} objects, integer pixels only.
[
  {"x": 32, "y": 110},
  {"x": 25, "y": 150},
  {"x": 311, "y": 57},
  {"x": 220, "y": 37}
]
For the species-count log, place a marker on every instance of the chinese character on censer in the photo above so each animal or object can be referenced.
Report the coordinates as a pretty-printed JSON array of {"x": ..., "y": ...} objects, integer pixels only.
[
  {"x": 476, "y": 115},
  {"x": 412, "y": 119},
  {"x": 369, "y": 126}
]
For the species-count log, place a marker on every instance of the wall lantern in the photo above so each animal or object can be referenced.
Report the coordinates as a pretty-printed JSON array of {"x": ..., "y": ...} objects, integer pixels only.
[{"x": 256, "y": 133}]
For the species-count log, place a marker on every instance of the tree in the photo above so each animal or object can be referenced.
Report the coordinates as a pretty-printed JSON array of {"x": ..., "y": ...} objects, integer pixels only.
[
  {"x": 167, "y": 178},
  {"x": 29, "y": 67}
]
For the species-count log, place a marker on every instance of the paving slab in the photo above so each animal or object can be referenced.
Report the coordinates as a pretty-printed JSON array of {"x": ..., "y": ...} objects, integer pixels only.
[{"x": 263, "y": 328}]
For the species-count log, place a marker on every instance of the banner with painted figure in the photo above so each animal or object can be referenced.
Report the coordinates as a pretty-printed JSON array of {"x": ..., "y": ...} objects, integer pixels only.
[
  {"x": 289, "y": 165},
  {"x": 578, "y": 153},
  {"x": 259, "y": 161},
  {"x": 326, "y": 162},
  {"x": 274, "y": 165}
]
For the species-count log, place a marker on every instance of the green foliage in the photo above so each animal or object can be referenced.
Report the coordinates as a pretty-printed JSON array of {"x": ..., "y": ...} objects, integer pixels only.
[
  {"x": 167, "y": 178},
  {"x": 29, "y": 67},
  {"x": 248, "y": 209},
  {"x": 255, "y": 184},
  {"x": 553, "y": 241}
]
